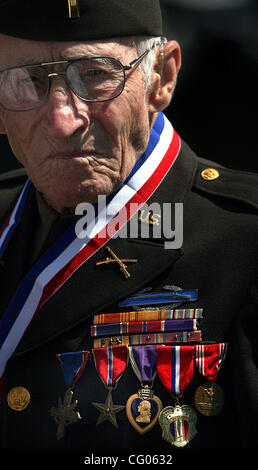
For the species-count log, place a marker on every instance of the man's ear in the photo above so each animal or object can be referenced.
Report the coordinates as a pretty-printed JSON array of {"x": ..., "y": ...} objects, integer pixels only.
[{"x": 165, "y": 76}]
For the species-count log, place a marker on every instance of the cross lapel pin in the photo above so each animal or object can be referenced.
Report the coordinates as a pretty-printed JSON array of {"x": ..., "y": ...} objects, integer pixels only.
[{"x": 120, "y": 262}]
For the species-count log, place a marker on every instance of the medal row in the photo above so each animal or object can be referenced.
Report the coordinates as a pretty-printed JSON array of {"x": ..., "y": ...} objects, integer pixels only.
[{"x": 174, "y": 365}]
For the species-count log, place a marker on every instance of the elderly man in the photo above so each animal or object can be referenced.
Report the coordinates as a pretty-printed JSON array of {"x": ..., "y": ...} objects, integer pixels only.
[{"x": 96, "y": 316}]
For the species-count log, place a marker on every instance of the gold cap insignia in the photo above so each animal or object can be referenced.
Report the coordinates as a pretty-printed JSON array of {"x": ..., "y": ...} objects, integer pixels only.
[
  {"x": 210, "y": 174},
  {"x": 73, "y": 6}
]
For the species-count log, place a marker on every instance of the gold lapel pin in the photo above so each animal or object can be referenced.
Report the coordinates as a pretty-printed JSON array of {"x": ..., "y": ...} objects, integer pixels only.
[
  {"x": 117, "y": 260},
  {"x": 73, "y": 6}
]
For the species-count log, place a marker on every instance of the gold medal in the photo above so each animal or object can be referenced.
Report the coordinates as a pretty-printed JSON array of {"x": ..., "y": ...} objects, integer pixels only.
[
  {"x": 209, "y": 399},
  {"x": 18, "y": 398},
  {"x": 143, "y": 409}
]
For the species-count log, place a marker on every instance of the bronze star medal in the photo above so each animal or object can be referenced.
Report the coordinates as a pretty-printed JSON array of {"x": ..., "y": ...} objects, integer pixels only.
[
  {"x": 110, "y": 364},
  {"x": 107, "y": 410}
]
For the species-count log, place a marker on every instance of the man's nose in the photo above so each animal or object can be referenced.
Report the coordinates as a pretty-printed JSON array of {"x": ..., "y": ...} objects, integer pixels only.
[{"x": 65, "y": 113}]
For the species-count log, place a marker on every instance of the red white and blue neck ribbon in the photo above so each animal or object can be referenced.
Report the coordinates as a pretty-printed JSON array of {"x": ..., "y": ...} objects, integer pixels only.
[
  {"x": 69, "y": 252},
  {"x": 175, "y": 367},
  {"x": 209, "y": 359},
  {"x": 14, "y": 219},
  {"x": 144, "y": 362},
  {"x": 73, "y": 365},
  {"x": 110, "y": 363}
]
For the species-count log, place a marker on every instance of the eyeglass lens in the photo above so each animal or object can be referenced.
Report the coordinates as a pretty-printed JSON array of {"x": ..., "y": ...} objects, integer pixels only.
[
  {"x": 95, "y": 79},
  {"x": 23, "y": 87}
]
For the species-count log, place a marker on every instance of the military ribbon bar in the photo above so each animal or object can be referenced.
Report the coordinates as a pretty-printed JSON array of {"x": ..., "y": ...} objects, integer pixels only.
[
  {"x": 175, "y": 367},
  {"x": 73, "y": 365},
  {"x": 124, "y": 328},
  {"x": 148, "y": 315},
  {"x": 209, "y": 359},
  {"x": 151, "y": 338},
  {"x": 110, "y": 363}
]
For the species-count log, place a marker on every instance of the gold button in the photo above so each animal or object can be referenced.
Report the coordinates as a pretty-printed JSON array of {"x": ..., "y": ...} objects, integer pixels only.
[
  {"x": 18, "y": 398},
  {"x": 210, "y": 174}
]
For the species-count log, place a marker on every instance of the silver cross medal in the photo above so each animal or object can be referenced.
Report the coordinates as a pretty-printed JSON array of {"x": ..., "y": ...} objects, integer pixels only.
[{"x": 64, "y": 414}]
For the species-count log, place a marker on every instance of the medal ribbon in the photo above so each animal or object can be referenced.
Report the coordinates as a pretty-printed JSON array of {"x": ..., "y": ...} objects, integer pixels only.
[
  {"x": 144, "y": 362},
  {"x": 148, "y": 315},
  {"x": 209, "y": 359},
  {"x": 69, "y": 252},
  {"x": 110, "y": 363},
  {"x": 175, "y": 367},
  {"x": 73, "y": 365},
  {"x": 123, "y": 328}
]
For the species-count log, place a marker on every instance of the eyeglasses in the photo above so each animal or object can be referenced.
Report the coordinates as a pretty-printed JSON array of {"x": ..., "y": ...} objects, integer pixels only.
[{"x": 92, "y": 79}]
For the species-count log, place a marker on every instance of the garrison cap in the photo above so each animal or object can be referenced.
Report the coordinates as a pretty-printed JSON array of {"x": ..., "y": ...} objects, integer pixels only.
[{"x": 79, "y": 20}]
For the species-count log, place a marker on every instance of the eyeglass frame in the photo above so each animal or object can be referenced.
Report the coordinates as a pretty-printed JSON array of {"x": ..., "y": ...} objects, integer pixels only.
[{"x": 125, "y": 68}]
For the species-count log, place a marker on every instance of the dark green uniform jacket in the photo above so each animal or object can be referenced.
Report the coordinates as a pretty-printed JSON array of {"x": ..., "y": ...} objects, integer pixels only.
[{"x": 219, "y": 257}]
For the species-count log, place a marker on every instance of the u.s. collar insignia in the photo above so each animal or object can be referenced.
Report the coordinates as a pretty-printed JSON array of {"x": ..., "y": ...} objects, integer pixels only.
[
  {"x": 178, "y": 424},
  {"x": 143, "y": 409}
]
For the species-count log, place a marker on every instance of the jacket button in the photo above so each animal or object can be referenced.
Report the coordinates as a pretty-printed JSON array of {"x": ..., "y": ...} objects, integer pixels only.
[
  {"x": 18, "y": 398},
  {"x": 209, "y": 174}
]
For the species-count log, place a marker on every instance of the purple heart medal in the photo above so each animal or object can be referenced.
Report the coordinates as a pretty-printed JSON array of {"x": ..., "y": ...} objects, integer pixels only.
[{"x": 143, "y": 408}]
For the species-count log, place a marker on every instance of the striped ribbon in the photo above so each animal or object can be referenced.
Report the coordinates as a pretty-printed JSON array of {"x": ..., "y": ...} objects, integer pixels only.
[
  {"x": 151, "y": 315},
  {"x": 110, "y": 363},
  {"x": 124, "y": 328},
  {"x": 151, "y": 338},
  {"x": 209, "y": 359},
  {"x": 175, "y": 367}
]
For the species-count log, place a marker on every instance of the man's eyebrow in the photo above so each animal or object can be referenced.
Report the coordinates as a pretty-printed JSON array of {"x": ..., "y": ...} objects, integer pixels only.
[
  {"x": 88, "y": 53},
  {"x": 29, "y": 60},
  {"x": 80, "y": 55}
]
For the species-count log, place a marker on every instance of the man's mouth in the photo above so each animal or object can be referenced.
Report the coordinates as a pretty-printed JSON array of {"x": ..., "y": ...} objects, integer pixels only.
[{"x": 75, "y": 154}]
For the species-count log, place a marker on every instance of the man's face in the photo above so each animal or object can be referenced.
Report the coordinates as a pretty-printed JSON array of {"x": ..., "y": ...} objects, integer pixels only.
[{"x": 74, "y": 151}]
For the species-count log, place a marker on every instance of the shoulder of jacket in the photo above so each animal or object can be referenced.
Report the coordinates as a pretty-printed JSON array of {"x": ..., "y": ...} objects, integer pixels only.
[
  {"x": 13, "y": 178},
  {"x": 214, "y": 179},
  {"x": 11, "y": 184}
]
